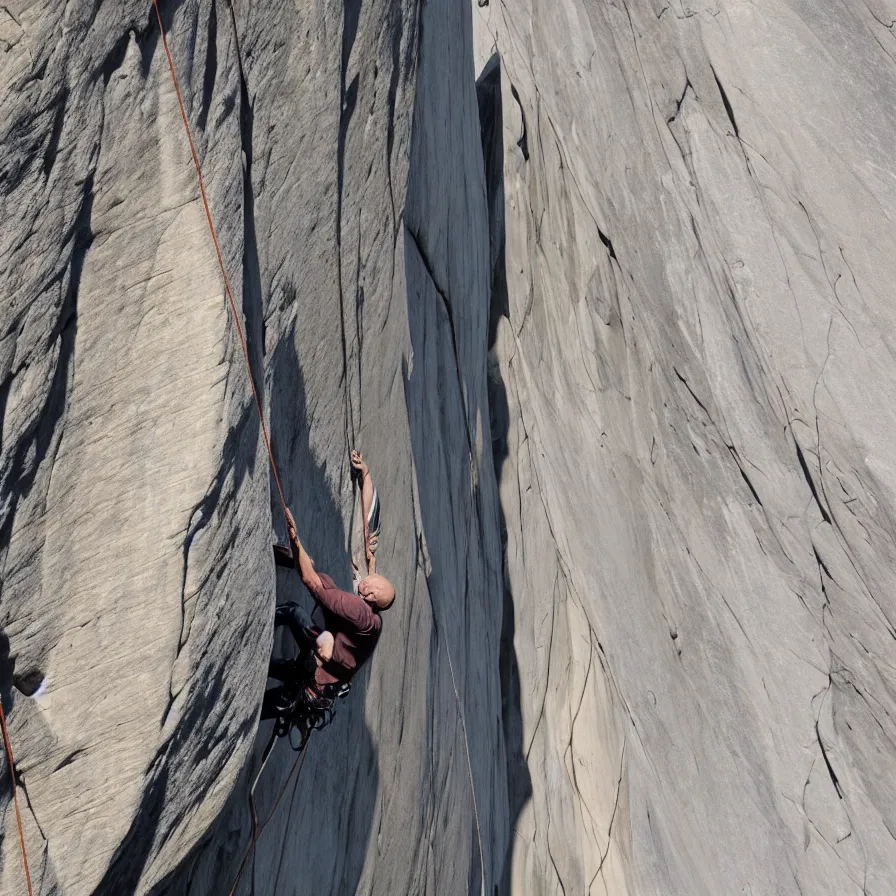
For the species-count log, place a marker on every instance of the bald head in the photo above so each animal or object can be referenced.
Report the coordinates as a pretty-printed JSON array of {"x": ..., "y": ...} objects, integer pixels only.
[{"x": 377, "y": 590}]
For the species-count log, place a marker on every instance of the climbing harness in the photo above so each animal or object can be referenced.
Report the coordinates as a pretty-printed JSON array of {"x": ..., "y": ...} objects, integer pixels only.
[
  {"x": 305, "y": 711},
  {"x": 15, "y": 797},
  {"x": 302, "y": 711}
]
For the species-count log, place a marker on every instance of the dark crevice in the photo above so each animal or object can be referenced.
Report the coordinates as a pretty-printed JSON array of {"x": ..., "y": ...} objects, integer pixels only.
[
  {"x": 684, "y": 93},
  {"x": 348, "y": 98},
  {"x": 827, "y": 763},
  {"x": 523, "y": 142},
  {"x": 488, "y": 95},
  {"x": 394, "y": 77},
  {"x": 70, "y": 758},
  {"x": 753, "y": 491},
  {"x": 693, "y": 395},
  {"x": 608, "y": 243},
  {"x": 491, "y": 117},
  {"x": 52, "y": 149},
  {"x": 824, "y": 567},
  {"x": 211, "y": 65},
  {"x": 253, "y": 310},
  {"x": 28, "y": 682},
  {"x": 115, "y": 57},
  {"x": 808, "y": 476},
  {"x": 726, "y": 103},
  {"x": 743, "y": 473}
]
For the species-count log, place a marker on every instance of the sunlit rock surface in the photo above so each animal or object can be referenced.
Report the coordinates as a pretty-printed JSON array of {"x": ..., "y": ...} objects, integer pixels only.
[
  {"x": 602, "y": 290},
  {"x": 693, "y": 369}
]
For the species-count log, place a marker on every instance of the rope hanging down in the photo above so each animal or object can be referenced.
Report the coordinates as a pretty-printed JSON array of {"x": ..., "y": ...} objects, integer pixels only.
[
  {"x": 256, "y": 827},
  {"x": 211, "y": 227},
  {"x": 15, "y": 796}
]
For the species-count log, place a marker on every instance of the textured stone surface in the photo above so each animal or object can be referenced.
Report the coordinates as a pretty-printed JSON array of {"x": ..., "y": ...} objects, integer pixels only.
[
  {"x": 696, "y": 359},
  {"x": 602, "y": 291},
  {"x": 137, "y": 514}
]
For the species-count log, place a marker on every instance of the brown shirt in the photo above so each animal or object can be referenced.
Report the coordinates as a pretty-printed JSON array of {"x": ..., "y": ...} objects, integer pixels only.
[{"x": 355, "y": 627}]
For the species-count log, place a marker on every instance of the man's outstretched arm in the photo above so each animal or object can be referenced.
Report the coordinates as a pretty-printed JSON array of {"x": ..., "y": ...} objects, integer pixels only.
[
  {"x": 367, "y": 494},
  {"x": 304, "y": 563}
]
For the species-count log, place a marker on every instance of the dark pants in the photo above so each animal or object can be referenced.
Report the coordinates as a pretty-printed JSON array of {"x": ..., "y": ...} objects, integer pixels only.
[{"x": 295, "y": 673}]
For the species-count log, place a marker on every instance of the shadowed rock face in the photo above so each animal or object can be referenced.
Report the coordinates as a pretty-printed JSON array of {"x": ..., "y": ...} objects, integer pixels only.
[{"x": 602, "y": 292}]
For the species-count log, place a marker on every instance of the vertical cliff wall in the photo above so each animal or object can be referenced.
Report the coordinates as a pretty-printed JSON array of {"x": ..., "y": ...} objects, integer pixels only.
[
  {"x": 340, "y": 147},
  {"x": 692, "y": 365},
  {"x": 602, "y": 291}
]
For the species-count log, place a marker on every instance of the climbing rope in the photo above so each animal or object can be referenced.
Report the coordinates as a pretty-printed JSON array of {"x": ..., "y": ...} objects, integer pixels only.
[
  {"x": 300, "y": 759},
  {"x": 211, "y": 227},
  {"x": 15, "y": 797},
  {"x": 256, "y": 827}
]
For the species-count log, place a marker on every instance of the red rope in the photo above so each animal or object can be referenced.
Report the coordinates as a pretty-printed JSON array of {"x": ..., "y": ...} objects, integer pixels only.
[
  {"x": 15, "y": 796},
  {"x": 211, "y": 227},
  {"x": 300, "y": 760}
]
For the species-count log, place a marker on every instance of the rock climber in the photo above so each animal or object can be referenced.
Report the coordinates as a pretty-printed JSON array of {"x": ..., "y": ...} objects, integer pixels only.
[{"x": 329, "y": 658}]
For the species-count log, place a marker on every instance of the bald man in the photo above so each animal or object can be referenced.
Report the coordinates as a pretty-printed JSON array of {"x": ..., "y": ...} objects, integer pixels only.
[{"x": 353, "y": 620}]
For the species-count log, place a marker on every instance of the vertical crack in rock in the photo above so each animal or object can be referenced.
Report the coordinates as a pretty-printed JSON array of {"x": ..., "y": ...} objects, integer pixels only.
[
  {"x": 446, "y": 304},
  {"x": 519, "y": 782},
  {"x": 348, "y": 97},
  {"x": 827, "y": 762},
  {"x": 608, "y": 243},
  {"x": 743, "y": 473},
  {"x": 488, "y": 93},
  {"x": 253, "y": 300},
  {"x": 523, "y": 142},
  {"x": 680, "y": 100},
  {"x": 211, "y": 65},
  {"x": 804, "y": 467},
  {"x": 727, "y": 103},
  {"x": 397, "y": 24}
]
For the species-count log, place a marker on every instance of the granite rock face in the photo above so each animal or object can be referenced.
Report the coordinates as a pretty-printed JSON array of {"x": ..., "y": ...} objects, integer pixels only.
[
  {"x": 138, "y": 512},
  {"x": 601, "y": 290},
  {"x": 692, "y": 360}
]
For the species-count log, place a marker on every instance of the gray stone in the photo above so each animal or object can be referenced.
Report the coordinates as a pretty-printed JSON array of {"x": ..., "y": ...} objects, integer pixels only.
[
  {"x": 138, "y": 511},
  {"x": 695, "y": 358},
  {"x": 602, "y": 292}
]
